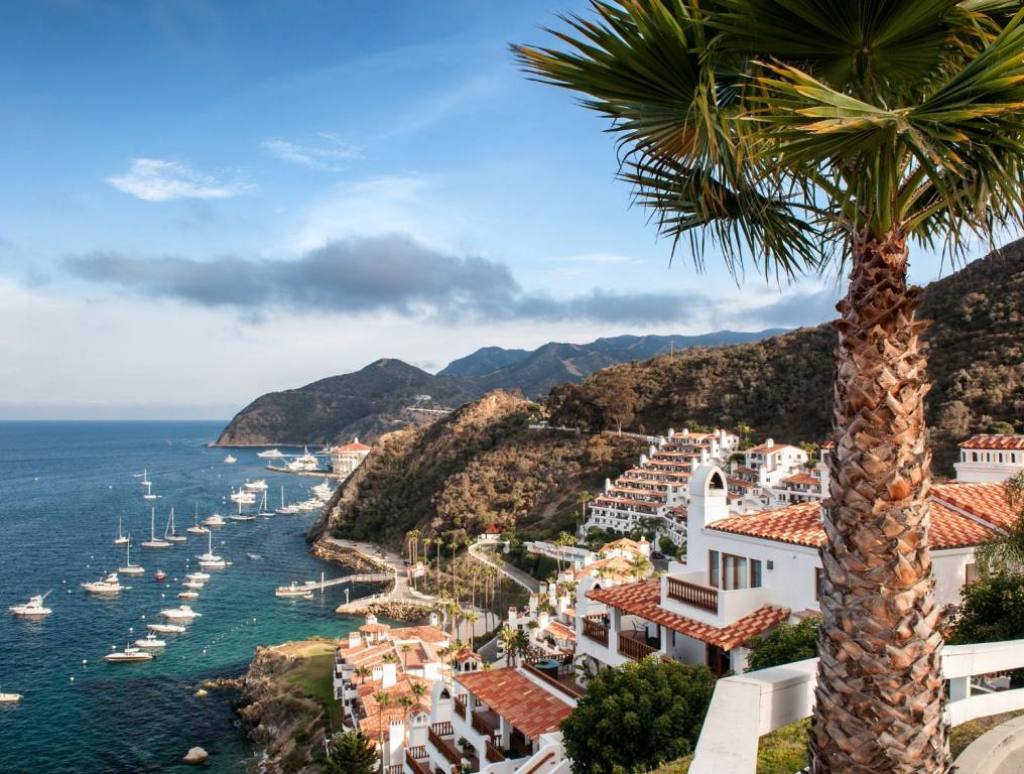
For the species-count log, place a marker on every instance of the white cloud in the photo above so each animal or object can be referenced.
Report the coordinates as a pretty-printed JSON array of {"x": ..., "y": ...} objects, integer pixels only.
[
  {"x": 157, "y": 180},
  {"x": 327, "y": 155}
]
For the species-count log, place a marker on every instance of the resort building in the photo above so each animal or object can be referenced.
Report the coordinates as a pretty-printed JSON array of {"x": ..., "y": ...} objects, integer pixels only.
[
  {"x": 745, "y": 573},
  {"x": 990, "y": 458},
  {"x": 653, "y": 494},
  {"x": 345, "y": 459}
]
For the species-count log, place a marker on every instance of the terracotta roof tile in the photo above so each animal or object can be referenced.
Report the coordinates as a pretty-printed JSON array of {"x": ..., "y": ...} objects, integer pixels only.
[
  {"x": 642, "y": 599},
  {"x": 802, "y": 478},
  {"x": 996, "y": 442},
  {"x": 527, "y": 706},
  {"x": 560, "y": 631},
  {"x": 985, "y": 501},
  {"x": 424, "y": 633}
]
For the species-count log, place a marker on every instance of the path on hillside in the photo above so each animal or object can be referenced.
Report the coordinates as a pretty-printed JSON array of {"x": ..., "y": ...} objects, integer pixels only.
[
  {"x": 401, "y": 593},
  {"x": 528, "y": 582}
]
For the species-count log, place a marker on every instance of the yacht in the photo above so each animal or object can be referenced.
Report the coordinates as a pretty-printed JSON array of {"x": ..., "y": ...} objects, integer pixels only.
[
  {"x": 323, "y": 491},
  {"x": 216, "y": 520},
  {"x": 293, "y": 590},
  {"x": 195, "y": 529},
  {"x": 170, "y": 533},
  {"x": 129, "y": 568},
  {"x": 10, "y": 698},
  {"x": 166, "y": 628},
  {"x": 198, "y": 576},
  {"x": 304, "y": 462},
  {"x": 259, "y": 485},
  {"x": 33, "y": 608},
  {"x": 242, "y": 497},
  {"x": 195, "y": 585},
  {"x": 230, "y": 459},
  {"x": 108, "y": 586},
  {"x": 188, "y": 596},
  {"x": 128, "y": 655},
  {"x": 180, "y": 612},
  {"x": 150, "y": 642},
  {"x": 153, "y": 541},
  {"x": 149, "y": 492},
  {"x": 270, "y": 454},
  {"x": 121, "y": 538}
]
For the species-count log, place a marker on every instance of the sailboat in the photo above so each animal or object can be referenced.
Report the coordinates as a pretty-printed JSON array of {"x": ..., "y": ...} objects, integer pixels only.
[
  {"x": 149, "y": 491},
  {"x": 195, "y": 529},
  {"x": 129, "y": 568},
  {"x": 210, "y": 560},
  {"x": 264, "y": 508},
  {"x": 153, "y": 542},
  {"x": 241, "y": 516},
  {"x": 170, "y": 534},
  {"x": 143, "y": 478},
  {"x": 285, "y": 509},
  {"x": 120, "y": 540}
]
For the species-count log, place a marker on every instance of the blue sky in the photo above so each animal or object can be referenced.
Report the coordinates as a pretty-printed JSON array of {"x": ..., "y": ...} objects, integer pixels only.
[{"x": 207, "y": 200}]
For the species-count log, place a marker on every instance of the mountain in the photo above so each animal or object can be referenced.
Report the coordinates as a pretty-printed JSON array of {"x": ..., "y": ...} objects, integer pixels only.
[
  {"x": 382, "y": 397},
  {"x": 480, "y": 465},
  {"x": 536, "y": 373},
  {"x": 782, "y": 386},
  {"x": 369, "y": 402}
]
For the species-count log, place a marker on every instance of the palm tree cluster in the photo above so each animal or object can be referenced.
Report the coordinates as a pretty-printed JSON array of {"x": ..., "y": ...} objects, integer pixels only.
[
  {"x": 516, "y": 644},
  {"x": 795, "y": 135}
]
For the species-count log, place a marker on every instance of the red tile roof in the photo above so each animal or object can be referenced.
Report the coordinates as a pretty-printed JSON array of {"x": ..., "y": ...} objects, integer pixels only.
[
  {"x": 561, "y": 632},
  {"x": 425, "y": 633},
  {"x": 802, "y": 478},
  {"x": 766, "y": 449},
  {"x": 523, "y": 703},
  {"x": 642, "y": 599},
  {"x": 351, "y": 447},
  {"x": 991, "y": 441},
  {"x": 800, "y": 524}
]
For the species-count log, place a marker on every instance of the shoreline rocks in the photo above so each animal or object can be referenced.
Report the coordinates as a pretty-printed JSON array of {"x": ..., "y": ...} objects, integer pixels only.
[{"x": 196, "y": 756}]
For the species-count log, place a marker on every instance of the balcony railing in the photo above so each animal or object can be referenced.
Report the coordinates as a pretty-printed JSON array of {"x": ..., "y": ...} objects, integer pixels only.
[
  {"x": 415, "y": 765},
  {"x": 481, "y": 726},
  {"x": 494, "y": 755},
  {"x": 443, "y": 746},
  {"x": 634, "y": 649},
  {"x": 703, "y": 597},
  {"x": 443, "y": 728},
  {"x": 596, "y": 631},
  {"x": 460, "y": 707}
]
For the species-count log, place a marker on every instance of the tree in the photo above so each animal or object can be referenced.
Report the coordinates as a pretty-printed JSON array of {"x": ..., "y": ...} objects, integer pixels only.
[
  {"x": 613, "y": 394},
  {"x": 350, "y": 753},
  {"x": 1005, "y": 551},
  {"x": 639, "y": 567},
  {"x": 798, "y": 134},
  {"x": 405, "y": 648},
  {"x": 363, "y": 672},
  {"x": 636, "y": 717},
  {"x": 784, "y": 644}
]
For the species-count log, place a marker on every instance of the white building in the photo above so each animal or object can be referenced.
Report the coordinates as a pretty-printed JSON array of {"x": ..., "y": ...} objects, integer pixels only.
[
  {"x": 990, "y": 458},
  {"x": 655, "y": 492},
  {"x": 346, "y": 458},
  {"x": 746, "y": 573}
]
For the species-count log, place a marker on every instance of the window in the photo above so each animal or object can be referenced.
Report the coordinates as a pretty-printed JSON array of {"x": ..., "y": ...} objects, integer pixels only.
[
  {"x": 713, "y": 574},
  {"x": 734, "y": 572},
  {"x": 755, "y": 573},
  {"x": 971, "y": 573},
  {"x": 819, "y": 582}
]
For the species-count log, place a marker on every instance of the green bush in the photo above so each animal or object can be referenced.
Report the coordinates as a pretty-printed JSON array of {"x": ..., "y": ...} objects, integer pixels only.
[{"x": 784, "y": 644}]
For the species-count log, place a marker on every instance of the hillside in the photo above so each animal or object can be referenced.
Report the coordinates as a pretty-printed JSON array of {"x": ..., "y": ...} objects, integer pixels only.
[
  {"x": 782, "y": 386},
  {"x": 480, "y": 465},
  {"x": 376, "y": 399},
  {"x": 367, "y": 403}
]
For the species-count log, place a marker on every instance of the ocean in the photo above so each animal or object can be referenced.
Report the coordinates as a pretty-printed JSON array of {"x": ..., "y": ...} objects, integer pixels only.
[{"x": 63, "y": 486}]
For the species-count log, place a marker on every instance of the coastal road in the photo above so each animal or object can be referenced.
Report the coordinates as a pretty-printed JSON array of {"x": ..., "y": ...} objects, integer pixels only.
[{"x": 481, "y": 554}]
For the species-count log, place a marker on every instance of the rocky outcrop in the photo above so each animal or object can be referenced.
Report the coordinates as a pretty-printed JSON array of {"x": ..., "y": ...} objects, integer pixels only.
[{"x": 195, "y": 756}]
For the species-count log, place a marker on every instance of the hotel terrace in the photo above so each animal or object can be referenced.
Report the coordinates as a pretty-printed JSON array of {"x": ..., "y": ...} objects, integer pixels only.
[{"x": 745, "y": 573}]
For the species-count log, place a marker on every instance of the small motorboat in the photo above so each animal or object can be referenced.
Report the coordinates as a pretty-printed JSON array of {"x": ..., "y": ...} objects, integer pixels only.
[
  {"x": 181, "y": 612},
  {"x": 188, "y": 596},
  {"x": 150, "y": 642},
  {"x": 230, "y": 460},
  {"x": 128, "y": 655},
  {"x": 166, "y": 628},
  {"x": 293, "y": 590},
  {"x": 108, "y": 586},
  {"x": 198, "y": 576},
  {"x": 216, "y": 520},
  {"x": 194, "y": 585},
  {"x": 10, "y": 698},
  {"x": 254, "y": 557},
  {"x": 33, "y": 608},
  {"x": 160, "y": 576}
]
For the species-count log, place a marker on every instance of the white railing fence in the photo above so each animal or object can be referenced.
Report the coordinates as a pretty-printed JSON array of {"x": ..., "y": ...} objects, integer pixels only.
[{"x": 746, "y": 707}]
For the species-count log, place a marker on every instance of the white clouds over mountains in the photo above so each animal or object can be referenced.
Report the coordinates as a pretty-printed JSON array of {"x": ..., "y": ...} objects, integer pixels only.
[{"x": 158, "y": 180}]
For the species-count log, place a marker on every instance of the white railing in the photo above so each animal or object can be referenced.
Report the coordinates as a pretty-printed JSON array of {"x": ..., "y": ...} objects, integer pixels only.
[{"x": 746, "y": 707}]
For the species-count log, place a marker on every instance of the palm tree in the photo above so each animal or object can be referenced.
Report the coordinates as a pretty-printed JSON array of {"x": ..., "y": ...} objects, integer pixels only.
[
  {"x": 405, "y": 648},
  {"x": 363, "y": 672},
  {"x": 419, "y": 690},
  {"x": 639, "y": 566},
  {"x": 792, "y": 134},
  {"x": 470, "y": 617},
  {"x": 384, "y": 701},
  {"x": 507, "y": 637},
  {"x": 1005, "y": 552}
]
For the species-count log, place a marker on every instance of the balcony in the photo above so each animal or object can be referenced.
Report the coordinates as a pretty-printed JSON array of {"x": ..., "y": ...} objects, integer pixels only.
[
  {"x": 485, "y": 723},
  {"x": 418, "y": 765},
  {"x": 436, "y": 734},
  {"x": 460, "y": 706},
  {"x": 702, "y": 597},
  {"x": 594, "y": 629},
  {"x": 494, "y": 755},
  {"x": 634, "y": 646}
]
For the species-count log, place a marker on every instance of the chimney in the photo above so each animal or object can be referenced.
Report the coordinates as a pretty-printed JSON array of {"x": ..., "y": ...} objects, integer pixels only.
[
  {"x": 769, "y": 443},
  {"x": 607, "y": 485},
  {"x": 513, "y": 614},
  {"x": 354, "y": 639},
  {"x": 396, "y": 739},
  {"x": 434, "y": 620},
  {"x": 708, "y": 497},
  {"x": 542, "y": 621},
  {"x": 389, "y": 675},
  {"x": 671, "y": 433},
  {"x": 533, "y": 604}
]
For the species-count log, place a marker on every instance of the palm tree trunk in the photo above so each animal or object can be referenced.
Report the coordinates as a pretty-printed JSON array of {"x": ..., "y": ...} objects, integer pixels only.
[{"x": 879, "y": 697}]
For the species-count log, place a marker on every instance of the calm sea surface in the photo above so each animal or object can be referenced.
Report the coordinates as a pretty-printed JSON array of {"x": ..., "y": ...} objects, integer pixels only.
[{"x": 62, "y": 487}]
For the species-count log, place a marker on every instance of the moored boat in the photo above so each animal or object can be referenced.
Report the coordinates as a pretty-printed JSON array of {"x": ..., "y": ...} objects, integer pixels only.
[
  {"x": 107, "y": 586},
  {"x": 181, "y": 612},
  {"x": 34, "y": 608},
  {"x": 166, "y": 628},
  {"x": 128, "y": 655}
]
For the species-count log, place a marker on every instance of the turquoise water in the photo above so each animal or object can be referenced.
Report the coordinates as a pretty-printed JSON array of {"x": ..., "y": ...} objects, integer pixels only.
[{"x": 62, "y": 487}]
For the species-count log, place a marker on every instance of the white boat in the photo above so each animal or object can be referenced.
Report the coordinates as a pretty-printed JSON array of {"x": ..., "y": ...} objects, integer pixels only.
[
  {"x": 264, "y": 509},
  {"x": 195, "y": 585},
  {"x": 150, "y": 642},
  {"x": 181, "y": 612},
  {"x": 149, "y": 492},
  {"x": 108, "y": 586},
  {"x": 242, "y": 497},
  {"x": 153, "y": 541},
  {"x": 230, "y": 460},
  {"x": 259, "y": 485},
  {"x": 209, "y": 559},
  {"x": 129, "y": 654},
  {"x": 216, "y": 520},
  {"x": 10, "y": 698},
  {"x": 242, "y": 516},
  {"x": 129, "y": 568},
  {"x": 170, "y": 533},
  {"x": 166, "y": 628},
  {"x": 121, "y": 538},
  {"x": 143, "y": 477},
  {"x": 195, "y": 529},
  {"x": 198, "y": 576},
  {"x": 293, "y": 590},
  {"x": 270, "y": 454},
  {"x": 304, "y": 462},
  {"x": 188, "y": 596},
  {"x": 254, "y": 557},
  {"x": 33, "y": 608}
]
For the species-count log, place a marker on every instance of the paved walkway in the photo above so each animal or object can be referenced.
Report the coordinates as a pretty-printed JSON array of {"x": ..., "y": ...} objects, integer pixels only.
[{"x": 479, "y": 552}]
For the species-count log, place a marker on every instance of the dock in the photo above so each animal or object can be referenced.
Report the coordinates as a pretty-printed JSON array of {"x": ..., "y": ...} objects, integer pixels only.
[
  {"x": 365, "y": 577},
  {"x": 310, "y": 473}
]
